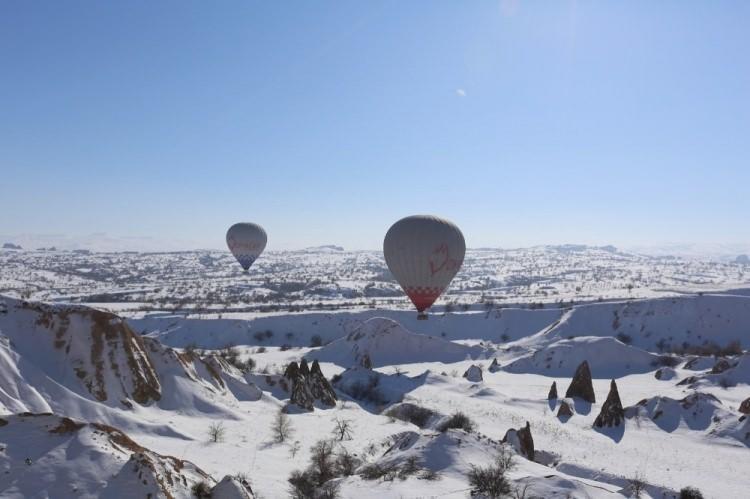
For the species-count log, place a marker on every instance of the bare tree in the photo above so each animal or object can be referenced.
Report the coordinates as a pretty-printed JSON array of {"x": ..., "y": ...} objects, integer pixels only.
[
  {"x": 343, "y": 429},
  {"x": 216, "y": 432},
  {"x": 636, "y": 485},
  {"x": 294, "y": 448},
  {"x": 281, "y": 427}
]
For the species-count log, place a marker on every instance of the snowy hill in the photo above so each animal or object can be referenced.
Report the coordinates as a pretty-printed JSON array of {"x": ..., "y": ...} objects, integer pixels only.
[
  {"x": 697, "y": 412},
  {"x": 662, "y": 324},
  {"x": 607, "y": 357},
  {"x": 50, "y": 456},
  {"x": 386, "y": 342},
  {"x": 51, "y": 356}
]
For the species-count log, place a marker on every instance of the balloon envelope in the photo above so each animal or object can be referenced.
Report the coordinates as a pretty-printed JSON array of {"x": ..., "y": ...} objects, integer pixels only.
[
  {"x": 424, "y": 253},
  {"x": 246, "y": 241}
]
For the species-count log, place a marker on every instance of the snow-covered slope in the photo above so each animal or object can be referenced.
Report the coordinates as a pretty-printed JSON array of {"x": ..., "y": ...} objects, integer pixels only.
[
  {"x": 51, "y": 456},
  {"x": 386, "y": 342},
  {"x": 299, "y": 329},
  {"x": 79, "y": 361},
  {"x": 662, "y": 324},
  {"x": 607, "y": 357},
  {"x": 698, "y": 412}
]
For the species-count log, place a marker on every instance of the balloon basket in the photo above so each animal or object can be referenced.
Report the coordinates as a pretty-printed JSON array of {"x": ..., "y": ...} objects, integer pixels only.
[{"x": 422, "y": 316}]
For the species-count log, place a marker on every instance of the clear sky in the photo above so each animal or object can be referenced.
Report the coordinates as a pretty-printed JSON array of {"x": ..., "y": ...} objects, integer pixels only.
[{"x": 525, "y": 122}]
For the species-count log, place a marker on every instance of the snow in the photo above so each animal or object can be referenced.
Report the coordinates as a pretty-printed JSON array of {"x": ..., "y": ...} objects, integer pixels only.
[
  {"x": 607, "y": 358},
  {"x": 154, "y": 310},
  {"x": 386, "y": 342}
]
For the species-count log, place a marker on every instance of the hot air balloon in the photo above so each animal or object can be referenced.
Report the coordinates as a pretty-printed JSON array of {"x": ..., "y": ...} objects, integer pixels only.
[
  {"x": 246, "y": 241},
  {"x": 424, "y": 254}
]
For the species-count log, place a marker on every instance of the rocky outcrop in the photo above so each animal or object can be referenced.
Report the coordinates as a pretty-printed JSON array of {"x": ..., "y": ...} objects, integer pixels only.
[
  {"x": 96, "y": 355},
  {"x": 308, "y": 385},
  {"x": 521, "y": 441},
  {"x": 665, "y": 373},
  {"x": 582, "y": 387},
  {"x": 745, "y": 406},
  {"x": 474, "y": 374},
  {"x": 612, "y": 413},
  {"x": 720, "y": 366},
  {"x": 365, "y": 361},
  {"x": 494, "y": 366},
  {"x": 565, "y": 410},
  {"x": 552, "y": 395}
]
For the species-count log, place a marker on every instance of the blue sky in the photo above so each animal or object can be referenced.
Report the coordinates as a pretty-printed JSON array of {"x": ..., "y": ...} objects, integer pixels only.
[{"x": 523, "y": 122}]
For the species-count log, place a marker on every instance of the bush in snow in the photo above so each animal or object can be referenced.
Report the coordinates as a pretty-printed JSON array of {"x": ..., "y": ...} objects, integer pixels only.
[
  {"x": 315, "y": 481},
  {"x": 690, "y": 493},
  {"x": 367, "y": 392},
  {"x": 231, "y": 354},
  {"x": 281, "y": 427},
  {"x": 625, "y": 338},
  {"x": 316, "y": 341},
  {"x": 201, "y": 490},
  {"x": 217, "y": 432},
  {"x": 346, "y": 463},
  {"x": 458, "y": 420},
  {"x": 377, "y": 471},
  {"x": 343, "y": 429},
  {"x": 636, "y": 485},
  {"x": 411, "y": 413},
  {"x": 491, "y": 481}
]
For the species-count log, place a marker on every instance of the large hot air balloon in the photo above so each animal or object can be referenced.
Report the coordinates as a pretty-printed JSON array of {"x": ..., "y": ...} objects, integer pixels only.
[
  {"x": 424, "y": 253},
  {"x": 246, "y": 241}
]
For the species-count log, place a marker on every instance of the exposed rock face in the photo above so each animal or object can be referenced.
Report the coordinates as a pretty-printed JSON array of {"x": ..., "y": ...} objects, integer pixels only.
[
  {"x": 106, "y": 357},
  {"x": 366, "y": 362},
  {"x": 494, "y": 367},
  {"x": 309, "y": 385},
  {"x": 720, "y": 366},
  {"x": 612, "y": 413},
  {"x": 552, "y": 395},
  {"x": 745, "y": 406},
  {"x": 582, "y": 386},
  {"x": 97, "y": 355},
  {"x": 565, "y": 410},
  {"x": 665, "y": 373},
  {"x": 474, "y": 374},
  {"x": 320, "y": 387},
  {"x": 521, "y": 441}
]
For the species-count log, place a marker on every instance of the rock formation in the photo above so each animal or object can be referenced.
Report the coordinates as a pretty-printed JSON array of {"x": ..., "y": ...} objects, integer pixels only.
[
  {"x": 612, "y": 413},
  {"x": 565, "y": 410},
  {"x": 552, "y": 395},
  {"x": 745, "y": 406},
  {"x": 308, "y": 385},
  {"x": 474, "y": 373},
  {"x": 582, "y": 386},
  {"x": 494, "y": 366},
  {"x": 720, "y": 366},
  {"x": 521, "y": 441}
]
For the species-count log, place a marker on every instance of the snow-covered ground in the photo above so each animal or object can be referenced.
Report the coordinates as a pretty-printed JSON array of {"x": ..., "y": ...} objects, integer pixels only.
[
  {"x": 151, "y": 361},
  {"x": 330, "y": 278}
]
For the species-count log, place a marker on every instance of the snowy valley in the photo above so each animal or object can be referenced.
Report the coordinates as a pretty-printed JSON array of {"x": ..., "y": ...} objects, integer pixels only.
[{"x": 175, "y": 375}]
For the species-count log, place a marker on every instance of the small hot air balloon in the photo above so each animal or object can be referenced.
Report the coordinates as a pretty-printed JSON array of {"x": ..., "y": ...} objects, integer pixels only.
[
  {"x": 424, "y": 254},
  {"x": 246, "y": 241}
]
